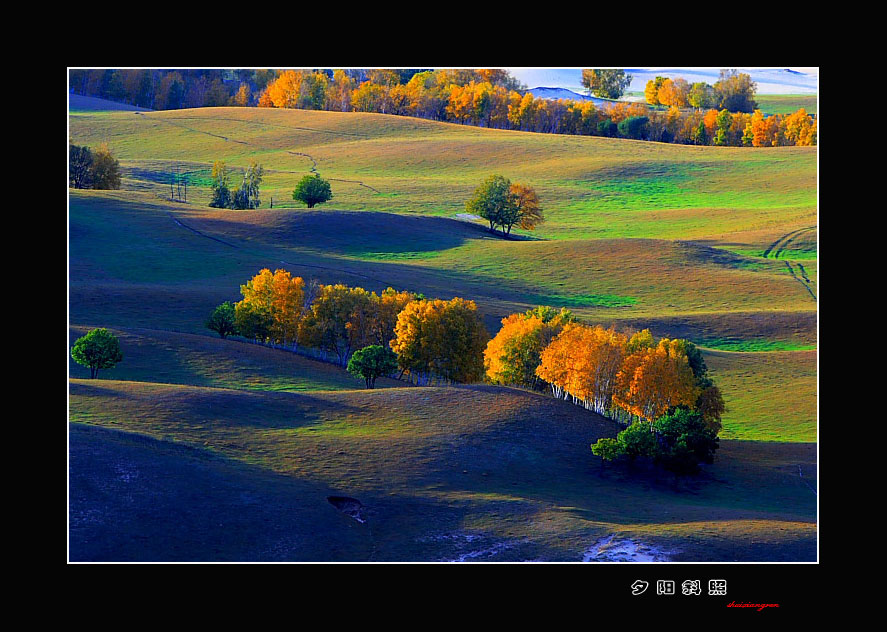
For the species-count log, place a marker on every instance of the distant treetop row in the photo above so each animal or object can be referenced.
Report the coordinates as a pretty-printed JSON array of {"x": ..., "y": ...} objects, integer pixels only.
[{"x": 699, "y": 114}]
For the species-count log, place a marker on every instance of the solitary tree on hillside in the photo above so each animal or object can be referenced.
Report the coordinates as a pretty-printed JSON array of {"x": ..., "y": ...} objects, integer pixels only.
[
  {"x": 504, "y": 204},
  {"x": 99, "y": 349},
  {"x": 312, "y": 190},
  {"x": 491, "y": 200}
]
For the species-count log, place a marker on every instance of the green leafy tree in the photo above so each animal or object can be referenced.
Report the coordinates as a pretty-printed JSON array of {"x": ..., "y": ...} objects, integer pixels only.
[
  {"x": 312, "y": 190},
  {"x": 700, "y": 137},
  {"x": 684, "y": 441},
  {"x": 607, "y": 448},
  {"x": 372, "y": 362},
  {"x": 98, "y": 349},
  {"x": 722, "y": 135},
  {"x": 701, "y": 96},
  {"x": 609, "y": 83},
  {"x": 247, "y": 196},
  {"x": 80, "y": 167},
  {"x": 607, "y": 128},
  {"x": 492, "y": 201},
  {"x": 634, "y": 127},
  {"x": 221, "y": 186},
  {"x": 637, "y": 441},
  {"x": 223, "y": 320}
]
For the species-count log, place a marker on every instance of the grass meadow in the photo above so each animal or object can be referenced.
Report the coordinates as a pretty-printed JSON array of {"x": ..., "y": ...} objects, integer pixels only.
[{"x": 717, "y": 245}]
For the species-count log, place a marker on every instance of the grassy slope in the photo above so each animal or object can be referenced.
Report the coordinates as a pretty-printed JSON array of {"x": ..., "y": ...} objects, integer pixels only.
[
  {"x": 787, "y": 103},
  {"x": 432, "y": 465},
  {"x": 135, "y": 266},
  {"x": 592, "y": 187}
]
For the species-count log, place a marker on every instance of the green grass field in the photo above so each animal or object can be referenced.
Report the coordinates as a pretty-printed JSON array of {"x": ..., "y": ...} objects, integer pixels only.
[
  {"x": 787, "y": 103},
  {"x": 717, "y": 245}
]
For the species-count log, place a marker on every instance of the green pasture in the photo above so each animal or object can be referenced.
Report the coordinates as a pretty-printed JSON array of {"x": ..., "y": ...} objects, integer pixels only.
[{"x": 590, "y": 187}]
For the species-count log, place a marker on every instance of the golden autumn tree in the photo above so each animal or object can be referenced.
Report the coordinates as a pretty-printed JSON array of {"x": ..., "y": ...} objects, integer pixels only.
[
  {"x": 526, "y": 200},
  {"x": 514, "y": 354},
  {"x": 436, "y": 339},
  {"x": 582, "y": 363},
  {"x": 242, "y": 97},
  {"x": 673, "y": 92},
  {"x": 652, "y": 380},
  {"x": 387, "y": 307},
  {"x": 800, "y": 129},
  {"x": 285, "y": 90},
  {"x": 287, "y": 294},
  {"x": 339, "y": 321},
  {"x": 252, "y": 314},
  {"x": 271, "y": 308}
]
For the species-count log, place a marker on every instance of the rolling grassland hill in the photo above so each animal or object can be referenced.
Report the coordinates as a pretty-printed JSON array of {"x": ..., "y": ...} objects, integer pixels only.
[{"x": 197, "y": 448}]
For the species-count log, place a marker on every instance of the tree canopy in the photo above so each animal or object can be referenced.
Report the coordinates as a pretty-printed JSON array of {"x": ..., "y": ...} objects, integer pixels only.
[
  {"x": 371, "y": 363},
  {"x": 312, "y": 190},
  {"x": 98, "y": 349},
  {"x": 609, "y": 83},
  {"x": 505, "y": 205}
]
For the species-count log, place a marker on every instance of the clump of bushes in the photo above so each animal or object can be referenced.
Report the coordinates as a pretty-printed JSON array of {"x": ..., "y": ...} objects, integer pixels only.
[{"x": 90, "y": 169}]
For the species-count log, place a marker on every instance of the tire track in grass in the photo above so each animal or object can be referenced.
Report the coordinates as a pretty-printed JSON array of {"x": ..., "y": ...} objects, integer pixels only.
[
  {"x": 799, "y": 279},
  {"x": 776, "y": 249},
  {"x": 779, "y": 245}
]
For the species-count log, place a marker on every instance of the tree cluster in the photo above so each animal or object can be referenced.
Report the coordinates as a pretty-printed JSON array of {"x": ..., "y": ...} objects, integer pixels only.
[
  {"x": 482, "y": 97},
  {"x": 172, "y": 89},
  {"x": 505, "y": 205},
  {"x": 88, "y": 169},
  {"x": 734, "y": 92},
  {"x": 245, "y": 197},
  {"x": 434, "y": 340},
  {"x": 438, "y": 340},
  {"x": 628, "y": 377}
]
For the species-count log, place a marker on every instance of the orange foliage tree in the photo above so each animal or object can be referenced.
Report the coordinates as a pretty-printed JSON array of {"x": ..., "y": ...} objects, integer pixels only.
[
  {"x": 652, "y": 380},
  {"x": 513, "y": 355}
]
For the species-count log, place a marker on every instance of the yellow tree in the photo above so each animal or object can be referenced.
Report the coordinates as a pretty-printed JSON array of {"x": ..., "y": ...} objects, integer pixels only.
[
  {"x": 800, "y": 129},
  {"x": 442, "y": 339},
  {"x": 242, "y": 97},
  {"x": 526, "y": 201},
  {"x": 252, "y": 314},
  {"x": 652, "y": 380},
  {"x": 387, "y": 307},
  {"x": 285, "y": 91},
  {"x": 674, "y": 92},
  {"x": 287, "y": 295},
  {"x": 339, "y": 322},
  {"x": 558, "y": 359}
]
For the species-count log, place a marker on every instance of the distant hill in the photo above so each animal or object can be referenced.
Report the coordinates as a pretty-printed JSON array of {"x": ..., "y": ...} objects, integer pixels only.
[{"x": 563, "y": 93}]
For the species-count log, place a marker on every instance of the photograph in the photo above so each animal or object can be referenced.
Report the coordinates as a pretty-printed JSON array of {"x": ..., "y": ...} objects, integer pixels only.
[{"x": 550, "y": 316}]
